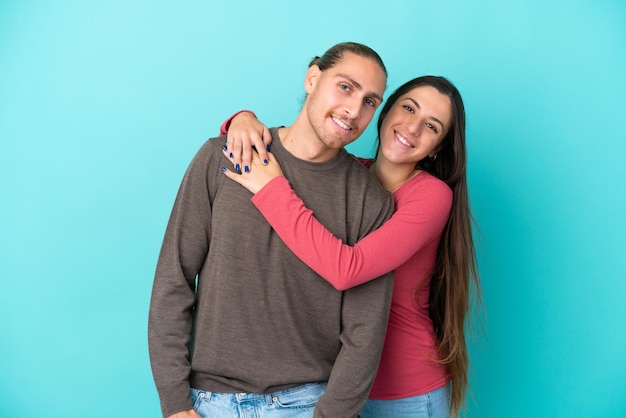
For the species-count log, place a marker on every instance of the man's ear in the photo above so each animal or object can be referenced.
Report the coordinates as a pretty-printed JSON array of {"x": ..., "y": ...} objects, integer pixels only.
[{"x": 311, "y": 78}]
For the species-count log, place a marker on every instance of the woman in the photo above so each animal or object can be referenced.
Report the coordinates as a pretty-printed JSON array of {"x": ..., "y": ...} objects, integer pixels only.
[{"x": 421, "y": 159}]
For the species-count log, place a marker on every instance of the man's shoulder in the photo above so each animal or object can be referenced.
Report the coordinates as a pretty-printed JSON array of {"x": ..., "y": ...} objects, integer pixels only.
[
  {"x": 211, "y": 146},
  {"x": 367, "y": 162},
  {"x": 215, "y": 142},
  {"x": 353, "y": 161},
  {"x": 360, "y": 173}
]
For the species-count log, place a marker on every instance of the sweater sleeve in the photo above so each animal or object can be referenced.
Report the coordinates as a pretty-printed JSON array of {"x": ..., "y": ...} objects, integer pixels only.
[
  {"x": 422, "y": 209},
  {"x": 173, "y": 294}
]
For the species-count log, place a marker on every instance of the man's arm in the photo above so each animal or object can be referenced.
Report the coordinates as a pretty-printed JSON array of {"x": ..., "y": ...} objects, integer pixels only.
[
  {"x": 365, "y": 311},
  {"x": 173, "y": 294},
  {"x": 364, "y": 322}
]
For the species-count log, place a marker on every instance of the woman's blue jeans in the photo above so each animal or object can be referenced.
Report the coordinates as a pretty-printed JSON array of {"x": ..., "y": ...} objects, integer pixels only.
[{"x": 434, "y": 404}]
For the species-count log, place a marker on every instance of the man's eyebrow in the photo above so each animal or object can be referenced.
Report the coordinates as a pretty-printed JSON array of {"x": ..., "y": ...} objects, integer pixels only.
[
  {"x": 432, "y": 117},
  {"x": 357, "y": 85}
]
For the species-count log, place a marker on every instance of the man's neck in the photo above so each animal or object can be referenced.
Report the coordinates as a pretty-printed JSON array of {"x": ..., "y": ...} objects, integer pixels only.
[{"x": 302, "y": 142}]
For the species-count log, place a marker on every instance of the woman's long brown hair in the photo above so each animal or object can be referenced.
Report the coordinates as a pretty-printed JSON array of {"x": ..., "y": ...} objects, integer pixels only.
[{"x": 455, "y": 269}]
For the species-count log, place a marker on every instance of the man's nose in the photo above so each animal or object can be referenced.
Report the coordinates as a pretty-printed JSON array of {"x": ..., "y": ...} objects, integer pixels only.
[{"x": 352, "y": 108}]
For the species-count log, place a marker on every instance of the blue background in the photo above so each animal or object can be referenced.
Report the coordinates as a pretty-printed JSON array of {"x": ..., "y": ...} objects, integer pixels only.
[{"x": 104, "y": 103}]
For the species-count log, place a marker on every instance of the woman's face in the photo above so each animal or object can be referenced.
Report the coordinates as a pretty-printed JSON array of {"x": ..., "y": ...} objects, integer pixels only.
[{"x": 415, "y": 125}]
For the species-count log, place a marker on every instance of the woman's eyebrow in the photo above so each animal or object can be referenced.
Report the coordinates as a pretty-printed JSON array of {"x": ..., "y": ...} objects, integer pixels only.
[{"x": 432, "y": 117}]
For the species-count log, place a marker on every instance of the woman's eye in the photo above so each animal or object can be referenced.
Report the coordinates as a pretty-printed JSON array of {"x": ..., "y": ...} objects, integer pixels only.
[
  {"x": 409, "y": 108},
  {"x": 431, "y": 127}
]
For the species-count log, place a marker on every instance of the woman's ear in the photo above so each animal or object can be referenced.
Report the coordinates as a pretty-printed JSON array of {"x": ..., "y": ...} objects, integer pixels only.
[{"x": 433, "y": 154}]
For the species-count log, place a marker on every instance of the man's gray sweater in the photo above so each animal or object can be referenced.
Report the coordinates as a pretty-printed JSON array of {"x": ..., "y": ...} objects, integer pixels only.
[{"x": 234, "y": 310}]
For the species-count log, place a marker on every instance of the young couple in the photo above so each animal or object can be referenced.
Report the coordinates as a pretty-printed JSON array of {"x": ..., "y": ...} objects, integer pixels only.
[{"x": 328, "y": 210}]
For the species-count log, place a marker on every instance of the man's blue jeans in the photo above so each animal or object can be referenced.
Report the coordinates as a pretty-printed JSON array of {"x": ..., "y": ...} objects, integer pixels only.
[{"x": 296, "y": 402}]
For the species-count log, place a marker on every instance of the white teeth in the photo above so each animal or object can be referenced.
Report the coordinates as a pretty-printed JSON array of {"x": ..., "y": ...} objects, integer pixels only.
[
  {"x": 342, "y": 124},
  {"x": 403, "y": 141}
]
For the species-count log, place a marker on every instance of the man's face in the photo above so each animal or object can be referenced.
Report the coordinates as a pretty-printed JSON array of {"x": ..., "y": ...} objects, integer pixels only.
[{"x": 342, "y": 100}]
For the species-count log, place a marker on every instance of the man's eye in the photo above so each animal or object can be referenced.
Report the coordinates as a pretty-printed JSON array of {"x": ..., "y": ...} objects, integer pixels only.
[
  {"x": 344, "y": 87},
  {"x": 370, "y": 103}
]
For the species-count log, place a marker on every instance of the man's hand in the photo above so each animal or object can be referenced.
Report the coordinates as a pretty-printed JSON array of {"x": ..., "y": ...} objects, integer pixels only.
[{"x": 186, "y": 414}]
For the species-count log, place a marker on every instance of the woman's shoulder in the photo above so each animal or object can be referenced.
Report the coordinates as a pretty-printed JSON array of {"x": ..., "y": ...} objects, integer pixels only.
[
  {"x": 424, "y": 185},
  {"x": 425, "y": 179}
]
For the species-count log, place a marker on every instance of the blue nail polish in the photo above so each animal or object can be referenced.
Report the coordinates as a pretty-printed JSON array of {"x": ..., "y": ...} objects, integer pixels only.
[
  {"x": 267, "y": 147},
  {"x": 223, "y": 169},
  {"x": 231, "y": 155},
  {"x": 246, "y": 168},
  {"x": 237, "y": 167},
  {"x": 224, "y": 147},
  {"x": 265, "y": 161}
]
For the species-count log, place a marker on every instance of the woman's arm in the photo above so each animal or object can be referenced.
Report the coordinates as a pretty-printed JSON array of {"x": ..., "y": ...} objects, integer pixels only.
[
  {"x": 420, "y": 217},
  {"x": 421, "y": 214}
]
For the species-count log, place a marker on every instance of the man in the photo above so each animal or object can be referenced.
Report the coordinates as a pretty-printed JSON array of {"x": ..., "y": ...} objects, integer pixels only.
[{"x": 238, "y": 325}]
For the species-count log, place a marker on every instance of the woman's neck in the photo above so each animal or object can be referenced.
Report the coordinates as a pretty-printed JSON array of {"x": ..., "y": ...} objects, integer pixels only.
[{"x": 392, "y": 176}]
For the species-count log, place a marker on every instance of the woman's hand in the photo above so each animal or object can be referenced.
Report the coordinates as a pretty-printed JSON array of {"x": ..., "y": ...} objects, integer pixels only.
[
  {"x": 246, "y": 131},
  {"x": 258, "y": 174}
]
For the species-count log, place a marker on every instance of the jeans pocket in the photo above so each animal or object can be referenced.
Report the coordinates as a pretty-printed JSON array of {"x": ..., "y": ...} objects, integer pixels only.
[
  {"x": 198, "y": 397},
  {"x": 305, "y": 396}
]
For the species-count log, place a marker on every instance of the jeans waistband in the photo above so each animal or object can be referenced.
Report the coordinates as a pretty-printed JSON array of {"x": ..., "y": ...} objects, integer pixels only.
[{"x": 270, "y": 396}]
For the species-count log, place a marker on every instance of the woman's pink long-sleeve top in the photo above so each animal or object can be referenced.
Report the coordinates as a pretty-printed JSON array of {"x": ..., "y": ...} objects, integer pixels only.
[{"x": 407, "y": 243}]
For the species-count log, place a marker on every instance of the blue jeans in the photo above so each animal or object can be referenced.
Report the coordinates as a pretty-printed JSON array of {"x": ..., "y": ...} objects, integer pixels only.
[
  {"x": 434, "y": 404},
  {"x": 296, "y": 402}
]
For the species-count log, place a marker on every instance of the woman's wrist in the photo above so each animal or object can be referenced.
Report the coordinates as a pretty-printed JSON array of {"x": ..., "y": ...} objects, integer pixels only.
[{"x": 226, "y": 124}]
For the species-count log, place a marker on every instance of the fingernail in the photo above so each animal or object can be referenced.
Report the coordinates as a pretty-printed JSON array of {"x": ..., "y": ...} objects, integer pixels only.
[
  {"x": 237, "y": 167},
  {"x": 224, "y": 147},
  {"x": 267, "y": 147},
  {"x": 231, "y": 155},
  {"x": 223, "y": 169},
  {"x": 246, "y": 168},
  {"x": 265, "y": 161}
]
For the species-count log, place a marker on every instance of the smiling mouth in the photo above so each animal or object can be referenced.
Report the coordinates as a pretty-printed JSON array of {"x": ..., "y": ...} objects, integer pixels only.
[
  {"x": 403, "y": 141},
  {"x": 341, "y": 123}
]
